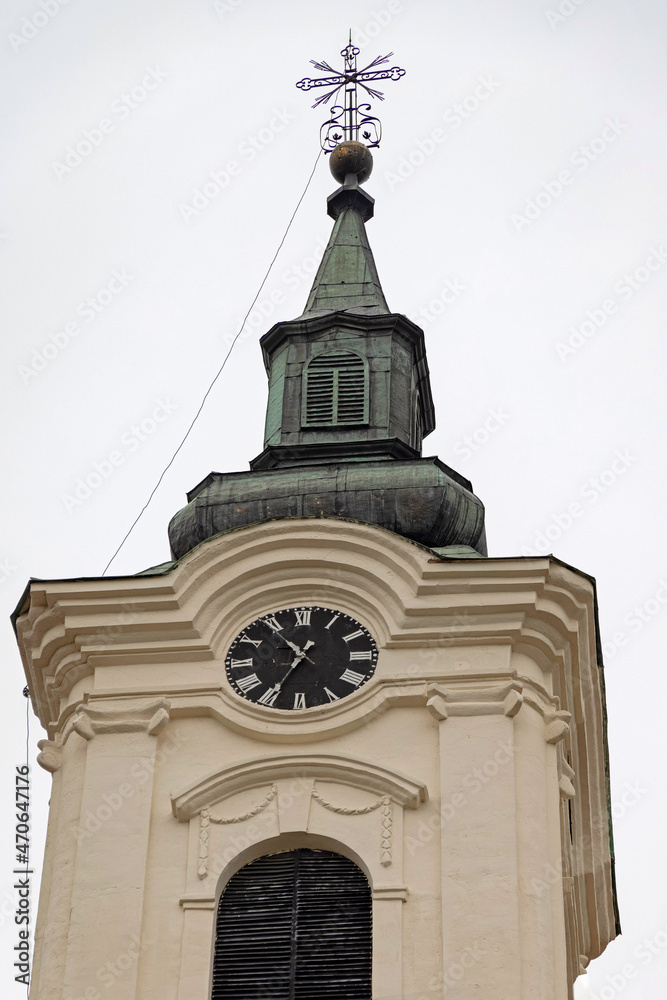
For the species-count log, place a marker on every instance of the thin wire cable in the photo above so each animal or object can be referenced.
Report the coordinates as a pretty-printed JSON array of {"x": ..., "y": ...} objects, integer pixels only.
[{"x": 220, "y": 369}]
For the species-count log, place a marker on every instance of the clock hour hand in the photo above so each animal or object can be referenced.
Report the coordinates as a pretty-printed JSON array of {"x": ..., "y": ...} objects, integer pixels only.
[
  {"x": 296, "y": 649},
  {"x": 292, "y": 644}
]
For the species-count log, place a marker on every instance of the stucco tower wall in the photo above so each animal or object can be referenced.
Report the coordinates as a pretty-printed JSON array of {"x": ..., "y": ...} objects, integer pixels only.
[{"x": 447, "y": 778}]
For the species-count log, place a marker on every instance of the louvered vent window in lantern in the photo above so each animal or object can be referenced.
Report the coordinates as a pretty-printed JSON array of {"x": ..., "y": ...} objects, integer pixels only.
[
  {"x": 294, "y": 926},
  {"x": 336, "y": 390}
]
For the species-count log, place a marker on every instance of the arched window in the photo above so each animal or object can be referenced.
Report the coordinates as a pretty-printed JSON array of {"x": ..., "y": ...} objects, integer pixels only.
[
  {"x": 335, "y": 390},
  {"x": 294, "y": 926}
]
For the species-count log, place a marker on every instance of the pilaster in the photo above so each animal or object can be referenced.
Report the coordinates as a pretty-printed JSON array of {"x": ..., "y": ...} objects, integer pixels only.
[
  {"x": 66, "y": 759},
  {"x": 502, "y": 898},
  {"x": 105, "y": 942}
]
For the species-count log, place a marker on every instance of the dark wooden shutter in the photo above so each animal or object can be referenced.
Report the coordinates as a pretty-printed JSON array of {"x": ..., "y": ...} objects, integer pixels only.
[
  {"x": 336, "y": 390},
  {"x": 294, "y": 926}
]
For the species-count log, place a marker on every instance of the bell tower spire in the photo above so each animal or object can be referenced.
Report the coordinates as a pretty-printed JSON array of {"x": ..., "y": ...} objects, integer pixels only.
[
  {"x": 350, "y": 399},
  {"x": 347, "y": 278}
]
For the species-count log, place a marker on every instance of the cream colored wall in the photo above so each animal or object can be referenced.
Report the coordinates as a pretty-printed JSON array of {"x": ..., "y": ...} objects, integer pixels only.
[{"x": 443, "y": 777}]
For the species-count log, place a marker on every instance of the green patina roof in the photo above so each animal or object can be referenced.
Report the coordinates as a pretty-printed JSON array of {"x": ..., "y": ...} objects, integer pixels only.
[{"x": 347, "y": 279}]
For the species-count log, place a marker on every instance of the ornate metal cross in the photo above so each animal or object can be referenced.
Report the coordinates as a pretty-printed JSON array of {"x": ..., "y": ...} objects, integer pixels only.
[{"x": 348, "y": 118}]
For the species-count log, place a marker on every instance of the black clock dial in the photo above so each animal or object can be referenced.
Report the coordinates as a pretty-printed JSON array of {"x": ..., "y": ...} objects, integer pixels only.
[{"x": 301, "y": 657}]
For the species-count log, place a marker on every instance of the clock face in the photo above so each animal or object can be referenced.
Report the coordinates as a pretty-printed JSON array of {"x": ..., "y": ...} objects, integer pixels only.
[{"x": 300, "y": 658}]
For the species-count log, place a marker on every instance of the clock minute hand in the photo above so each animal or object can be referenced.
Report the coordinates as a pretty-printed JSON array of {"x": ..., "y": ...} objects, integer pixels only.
[
  {"x": 301, "y": 654},
  {"x": 295, "y": 663}
]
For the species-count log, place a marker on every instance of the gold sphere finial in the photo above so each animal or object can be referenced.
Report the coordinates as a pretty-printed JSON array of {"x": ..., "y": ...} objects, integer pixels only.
[{"x": 351, "y": 158}]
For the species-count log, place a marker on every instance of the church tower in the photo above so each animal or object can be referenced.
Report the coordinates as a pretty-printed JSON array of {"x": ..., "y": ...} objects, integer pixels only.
[{"x": 331, "y": 749}]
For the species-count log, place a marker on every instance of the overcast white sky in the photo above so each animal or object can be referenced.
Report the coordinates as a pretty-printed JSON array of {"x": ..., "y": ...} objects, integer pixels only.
[{"x": 520, "y": 204}]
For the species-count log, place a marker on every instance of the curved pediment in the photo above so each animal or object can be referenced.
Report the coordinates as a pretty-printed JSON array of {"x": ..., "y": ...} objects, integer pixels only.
[{"x": 260, "y": 771}]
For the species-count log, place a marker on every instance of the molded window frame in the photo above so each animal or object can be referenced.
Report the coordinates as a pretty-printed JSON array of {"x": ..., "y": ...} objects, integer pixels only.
[{"x": 210, "y": 866}]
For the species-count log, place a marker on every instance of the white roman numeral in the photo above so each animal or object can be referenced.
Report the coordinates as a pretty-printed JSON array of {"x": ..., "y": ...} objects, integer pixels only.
[
  {"x": 249, "y": 682},
  {"x": 353, "y": 635},
  {"x": 269, "y": 697},
  {"x": 299, "y": 700},
  {"x": 240, "y": 663},
  {"x": 332, "y": 621},
  {"x": 273, "y": 623},
  {"x": 255, "y": 642},
  {"x": 352, "y": 677},
  {"x": 303, "y": 617},
  {"x": 331, "y": 696},
  {"x": 364, "y": 654}
]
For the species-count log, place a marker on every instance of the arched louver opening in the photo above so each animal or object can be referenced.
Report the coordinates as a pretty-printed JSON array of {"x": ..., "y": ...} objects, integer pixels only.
[
  {"x": 336, "y": 390},
  {"x": 294, "y": 926}
]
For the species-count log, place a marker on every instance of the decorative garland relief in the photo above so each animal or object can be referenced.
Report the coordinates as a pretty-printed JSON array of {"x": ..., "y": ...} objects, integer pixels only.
[
  {"x": 205, "y": 819},
  {"x": 384, "y": 804}
]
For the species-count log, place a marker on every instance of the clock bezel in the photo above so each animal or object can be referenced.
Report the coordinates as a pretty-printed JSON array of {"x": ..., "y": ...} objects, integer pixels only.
[{"x": 261, "y": 701}]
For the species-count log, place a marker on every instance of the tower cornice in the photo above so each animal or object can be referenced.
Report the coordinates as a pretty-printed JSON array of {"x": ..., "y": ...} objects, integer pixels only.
[{"x": 68, "y": 629}]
